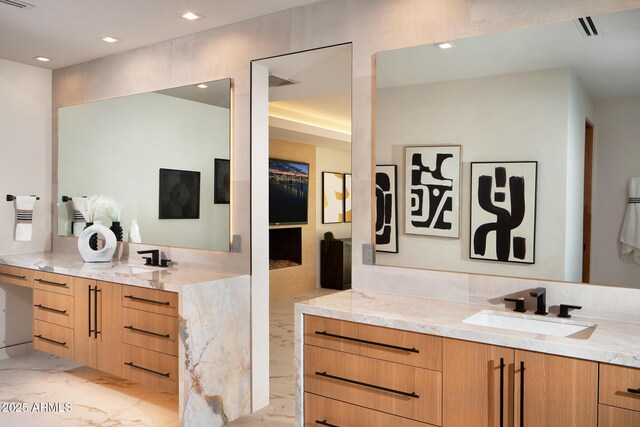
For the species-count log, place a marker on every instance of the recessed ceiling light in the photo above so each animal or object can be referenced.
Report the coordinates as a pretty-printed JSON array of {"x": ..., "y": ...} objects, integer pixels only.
[
  {"x": 191, "y": 16},
  {"x": 109, "y": 39},
  {"x": 202, "y": 86},
  {"x": 42, "y": 58},
  {"x": 445, "y": 45}
]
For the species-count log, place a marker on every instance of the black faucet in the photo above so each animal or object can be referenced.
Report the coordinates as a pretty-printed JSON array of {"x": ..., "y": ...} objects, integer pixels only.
[
  {"x": 541, "y": 295},
  {"x": 564, "y": 310},
  {"x": 519, "y": 304},
  {"x": 154, "y": 259}
]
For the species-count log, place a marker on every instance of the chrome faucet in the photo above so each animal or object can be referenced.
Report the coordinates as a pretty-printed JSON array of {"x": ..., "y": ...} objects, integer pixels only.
[{"x": 541, "y": 295}]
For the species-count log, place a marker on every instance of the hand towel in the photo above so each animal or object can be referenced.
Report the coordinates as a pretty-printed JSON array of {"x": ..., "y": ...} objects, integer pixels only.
[
  {"x": 24, "y": 217},
  {"x": 630, "y": 234}
]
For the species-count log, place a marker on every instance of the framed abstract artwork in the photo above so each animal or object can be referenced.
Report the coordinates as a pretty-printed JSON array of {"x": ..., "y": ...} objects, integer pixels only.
[
  {"x": 386, "y": 208},
  {"x": 221, "y": 181},
  {"x": 332, "y": 197},
  {"x": 432, "y": 188},
  {"x": 503, "y": 211},
  {"x": 179, "y": 194},
  {"x": 347, "y": 197}
]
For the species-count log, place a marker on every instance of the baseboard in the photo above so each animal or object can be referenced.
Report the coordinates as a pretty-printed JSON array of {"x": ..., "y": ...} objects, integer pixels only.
[{"x": 16, "y": 350}]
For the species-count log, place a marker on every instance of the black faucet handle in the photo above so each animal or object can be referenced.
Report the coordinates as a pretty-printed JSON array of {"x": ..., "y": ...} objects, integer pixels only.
[
  {"x": 564, "y": 310},
  {"x": 147, "y": 260},
  {"x": 519, "y": 304},
  {"x": 164, "y": 262}
]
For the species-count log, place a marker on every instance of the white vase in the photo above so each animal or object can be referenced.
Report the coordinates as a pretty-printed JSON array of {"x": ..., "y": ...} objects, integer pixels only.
[
  {"x": 134, "y": 233},
  {"x": 101, "y": 255}
]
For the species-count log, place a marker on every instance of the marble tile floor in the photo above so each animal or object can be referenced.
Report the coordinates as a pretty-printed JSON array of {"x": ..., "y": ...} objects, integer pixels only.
[{"x": 99, "y": 399}]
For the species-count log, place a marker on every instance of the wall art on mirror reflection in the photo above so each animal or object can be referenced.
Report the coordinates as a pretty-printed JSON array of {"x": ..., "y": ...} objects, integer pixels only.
[
  {"x": 221, "y": 181},
  {"x": 332, "y": 197},
  {"x": 503, "y": 211},
  {"x": 179, "y": 195},
  {"x": 432, "y": 190},
  {"x": 347, "y": 197},
  {"x": 288, "y": 192},
  {"x": 386, "y": 209}
]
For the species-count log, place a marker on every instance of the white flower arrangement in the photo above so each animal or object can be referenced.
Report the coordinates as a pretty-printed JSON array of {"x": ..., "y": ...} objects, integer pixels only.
[{"x": 99, "y": 205}]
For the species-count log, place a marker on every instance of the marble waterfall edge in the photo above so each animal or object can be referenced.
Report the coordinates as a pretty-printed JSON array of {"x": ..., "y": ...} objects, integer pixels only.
[{"x": 215, "y": 352}]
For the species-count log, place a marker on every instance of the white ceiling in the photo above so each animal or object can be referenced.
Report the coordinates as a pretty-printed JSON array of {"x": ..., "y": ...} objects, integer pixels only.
[
  {"x": 608, "y": 65},
  {"x": 69, "y": 31}
]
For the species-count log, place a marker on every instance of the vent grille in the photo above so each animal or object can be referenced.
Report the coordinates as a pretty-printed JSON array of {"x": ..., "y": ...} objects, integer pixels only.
[
  {"x": 275, "y": 81},
  {"x": 587, "y": 26},
  {"x": 18, "y": 4}
]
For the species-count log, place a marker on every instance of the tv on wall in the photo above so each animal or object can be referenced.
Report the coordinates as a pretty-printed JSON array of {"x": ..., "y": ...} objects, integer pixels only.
[{"x": 288, "y": 192}]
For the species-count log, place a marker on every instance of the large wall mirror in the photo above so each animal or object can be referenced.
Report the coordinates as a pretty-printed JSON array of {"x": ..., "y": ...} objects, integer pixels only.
[
  {"x": 163, "y": 157},
  {"x": 511, "y": 153}
]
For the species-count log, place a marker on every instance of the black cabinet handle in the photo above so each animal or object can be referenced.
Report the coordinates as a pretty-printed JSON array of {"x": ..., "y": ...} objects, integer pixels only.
[
  {"x": 95, "y": 312},
  {"x": 634, "y": 390},
  {"x": 342, "y": 337},
  {"x": 501, "y": 391},
  {"x": 43, "y": 307},
  {"x": 89, "y": 309},
  {"x": 47, "y": 282},
  {"x": 521, "y": 393},
  {"x": 131, "y": 328},
  {"x": 14, "y": 276},
  {"x": 63, "y": 343},
  {"x": 377, "y": 387},
  {"x": 167, "y": 374},
  {"x": 325, "y": 423},
  {"x": 131, "y": 297}
]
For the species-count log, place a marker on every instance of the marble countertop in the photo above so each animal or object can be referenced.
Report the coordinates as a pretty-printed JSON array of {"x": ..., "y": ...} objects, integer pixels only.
[
  {"x": 611, "y": 341},
  {"x": 171, "y": 279}
]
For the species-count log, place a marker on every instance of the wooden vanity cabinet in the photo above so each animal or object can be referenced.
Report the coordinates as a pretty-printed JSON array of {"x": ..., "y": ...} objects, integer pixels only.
[
  {"x": 97, "y": 325},
  {"x": 619, "y": 396},
  {"x": 16, "y": 276}
]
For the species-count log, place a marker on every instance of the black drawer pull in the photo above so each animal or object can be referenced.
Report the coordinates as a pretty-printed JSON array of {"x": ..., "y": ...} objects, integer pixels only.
[
  {"x": 377, "y": 387},
  {"x": 46, "y": 282},
  {"x": 147, "y": 369},
  {"x": 15, "y": 276},
  {"x": 131, "y": 297},
  {"x": 634, "y": 390},
  {"x": 131, "y": 328},
  {"x": 325, "y": 423},
  {"x": 55, "y": 310},
  {"x": 62, "y": 343},
  {"x": 342, "y": 337}
]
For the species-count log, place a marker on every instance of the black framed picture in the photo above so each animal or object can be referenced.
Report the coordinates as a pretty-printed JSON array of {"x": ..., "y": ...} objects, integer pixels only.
[
  {"x": 503, "y": 211},
  {"x": 221, "y": 181},
  {"x": 288, "y": 192},
  {"x": 386, "y": 208},
  {"x": 179, "y": 195}
]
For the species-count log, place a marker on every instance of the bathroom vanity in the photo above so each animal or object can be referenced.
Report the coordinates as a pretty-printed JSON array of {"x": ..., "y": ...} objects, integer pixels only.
[
  {"x": 182, "y": 330},
  {"x": 374, "y": 359}
]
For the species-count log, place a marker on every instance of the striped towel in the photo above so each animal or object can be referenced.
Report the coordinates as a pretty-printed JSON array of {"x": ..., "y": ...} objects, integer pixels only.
[
  {"x": 630, "y": 234},
  {"x": 24, "y": 217},
  {"x": 79, "y": 221}
]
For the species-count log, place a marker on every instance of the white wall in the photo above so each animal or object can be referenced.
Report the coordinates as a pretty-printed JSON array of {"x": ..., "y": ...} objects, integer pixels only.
[
  {"x": 328, "y": 160},
  {"x": 616, "y": 159},
  {"x": 25, "y": 168},
  {"x": 118, "y": 146},
  {"x": 495, "y": 118}
]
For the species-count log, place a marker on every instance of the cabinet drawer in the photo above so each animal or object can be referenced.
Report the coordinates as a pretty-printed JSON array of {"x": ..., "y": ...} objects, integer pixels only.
[
  {"x": 608, "y": 416},
  {"x": 53, "y": 339},
  {"x": 151, "y": 300},
  {"x": 150, "y": 368},
  {"x": 16, "y": 276},
  {"x": 151, "y": 331},
  {"x": 52, "y": 282},
  {"x": 320, "y": 411},
  {"x": 615, "y": 383},
  {"x": 53, "y": 308},
  {"x": 393, "y": 345},
  {"x": 394, "y": 388}
]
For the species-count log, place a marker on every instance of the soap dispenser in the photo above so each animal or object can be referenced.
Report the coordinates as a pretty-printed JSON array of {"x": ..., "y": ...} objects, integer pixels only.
[{"x": 134, "y": 232}]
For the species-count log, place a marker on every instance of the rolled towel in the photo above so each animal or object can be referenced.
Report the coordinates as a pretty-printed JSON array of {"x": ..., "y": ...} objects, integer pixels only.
[
  {"x": 630, "y": 234},
  {"x": 24, "y": 217}
]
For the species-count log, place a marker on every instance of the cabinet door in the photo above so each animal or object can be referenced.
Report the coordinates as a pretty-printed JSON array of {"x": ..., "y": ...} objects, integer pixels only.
[
  {"x": 109, "y": 324},
  {"x": 85, "y": 345},
  {"x": 555, "y": 391},
  {"x": 477, "y": 384}
]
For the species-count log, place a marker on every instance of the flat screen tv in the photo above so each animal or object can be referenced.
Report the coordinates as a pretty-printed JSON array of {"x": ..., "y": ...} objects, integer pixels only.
[{"x": 288, "y": 192}]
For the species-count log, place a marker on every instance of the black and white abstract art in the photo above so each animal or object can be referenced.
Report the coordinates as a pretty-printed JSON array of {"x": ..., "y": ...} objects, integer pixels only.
[
  {"x": 432, "y": 190},
  {"x": 386, "y": 209},
  {"x": 503, "y": 211},
  {"x": 179, "y": 194}
]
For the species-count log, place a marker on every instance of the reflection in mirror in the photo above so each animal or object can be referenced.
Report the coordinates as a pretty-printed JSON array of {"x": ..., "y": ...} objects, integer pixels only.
[
  {"x": 551, "y": 94},
  {"x": 163, "y": 157}
]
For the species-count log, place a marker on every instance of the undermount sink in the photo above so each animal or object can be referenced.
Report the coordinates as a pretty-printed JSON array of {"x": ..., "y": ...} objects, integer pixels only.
[{"x": 531, "y": 324}]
